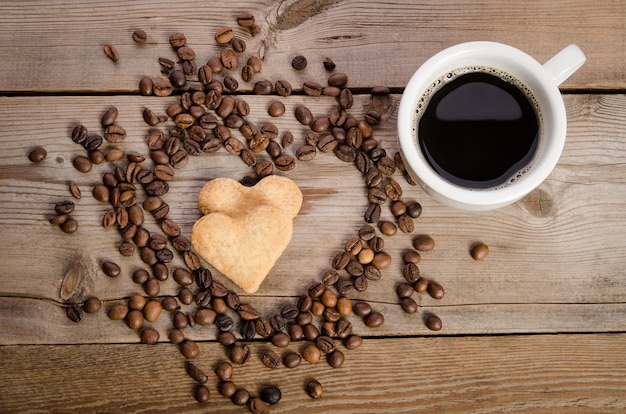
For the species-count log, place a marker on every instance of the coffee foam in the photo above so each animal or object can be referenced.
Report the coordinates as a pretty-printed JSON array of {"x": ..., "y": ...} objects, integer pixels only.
[{"x": 504, "y": 75}]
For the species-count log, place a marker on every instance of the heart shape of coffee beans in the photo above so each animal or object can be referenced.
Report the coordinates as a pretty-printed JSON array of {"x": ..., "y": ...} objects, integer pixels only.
[{"x": 245, "y": 230}]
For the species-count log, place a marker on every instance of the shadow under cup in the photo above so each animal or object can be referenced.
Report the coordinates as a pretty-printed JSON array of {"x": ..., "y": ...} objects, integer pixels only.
[{"x": 466, "y": 122}]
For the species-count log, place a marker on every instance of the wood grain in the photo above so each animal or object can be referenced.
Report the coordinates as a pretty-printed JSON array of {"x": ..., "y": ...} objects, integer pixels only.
[
  {"x": 543, "y": 373},
  {"x": 378, "y": 43}
]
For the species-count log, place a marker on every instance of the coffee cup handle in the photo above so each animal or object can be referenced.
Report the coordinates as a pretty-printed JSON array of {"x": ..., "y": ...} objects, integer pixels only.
[{"x": 562, "y": 65}]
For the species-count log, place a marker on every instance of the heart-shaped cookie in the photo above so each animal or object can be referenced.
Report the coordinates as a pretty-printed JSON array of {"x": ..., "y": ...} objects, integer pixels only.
[
  {"x": 246, "y": 247},
  {"x": 231, "y": 197}
]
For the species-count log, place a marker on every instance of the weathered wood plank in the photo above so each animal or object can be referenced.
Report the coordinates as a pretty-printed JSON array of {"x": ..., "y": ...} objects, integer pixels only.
[
  {"x": 561, "y": 246},
  {"x": 557, "y": 373},
  {"x": 56, "y": 46}
]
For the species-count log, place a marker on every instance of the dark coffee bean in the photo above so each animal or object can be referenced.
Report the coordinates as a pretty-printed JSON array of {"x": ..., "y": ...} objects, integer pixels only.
[
  {"x": 126, "y": 249},
  {"x": 393, "y": 190},
  {"x": 373, "y": 178},
  {"x": 338, "y": 79},
  {"x": 230, "y": 83},
  {"x": 146, "y": 86},
  {"x": 245, "y": 20},
  {"x": 405, "y": 223},
  {"x": 177, "y": 40},
  {"x": 111, "y": 269},
  {"x": 330, "y": 277},
  {"x": 435, "y": 290},
  {"x": 299, "y": 62},
  {"x": 377, "y": 154},
  {"x": 408, "y": 305},
  {"x": 278, "y": 322},
  {"x": 314, "y": 389},
  {"x": 224, "y": 323},
  {"x": 414, "y": 210},
  {"x": 386, "y": 166},
  {"x": 109, "y": 117},
  {"x": 335, "y": 359},
  {"x": 224, "y": 371},
  {"x": 270, "y": 395},
  {"x": 306, "y": 153},
  {"x": 189, "y": 67},
  {"x": 311, "y": 88},
  {"x": 156, "y": 188},
  {"x": 74, "y": 312},
  {"x": 233, "y": 146},
  {"x": 362, "y": 162},
  {"x": 247, "y": 330},
  {"x": 343, "y": 327},
  {"x": 229, "y": 58},
  {"x": 346, "y": 99},
  {"x": 376, "y": 195},
  {"x": 162, "y": 88},
  {"x": 424, "y": 243},
  {"x": 79, "y": 134},
  {"x": 289, "y": 311},
  {"x": 276, "y": 109},
  {"x": 170, "y": 228},
  {"x": 354, "y": 268},
  {"x": 92, "y": 142},
  {"x": 247, "y": 312},
  {"x": 388, "y": 228},
  {"x": 241, "y": 397},
  {"x": 372, "y": 213},
  {"x": 218, "y": 289},
  {"x": 258, "y": 406},
  {"x": 360, "y": 283},
  {"x": 179, "y": 159},
  {"x": 329, "y": 65},
  {"x": 283, "y": 88},
  {"x": 64, "y": 207},
  {"x": 247, "y": 73}
]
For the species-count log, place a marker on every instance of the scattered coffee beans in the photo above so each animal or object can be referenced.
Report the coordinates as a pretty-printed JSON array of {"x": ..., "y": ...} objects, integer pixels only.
[{"x": 37, "y": 154}]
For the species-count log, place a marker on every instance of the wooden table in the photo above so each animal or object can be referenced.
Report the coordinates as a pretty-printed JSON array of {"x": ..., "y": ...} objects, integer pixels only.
[{"x": 539, "y": 325}]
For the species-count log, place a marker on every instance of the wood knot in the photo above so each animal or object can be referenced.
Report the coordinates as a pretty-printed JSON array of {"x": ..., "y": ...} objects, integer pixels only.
[
  {"x": 77, "y": 282},
  {"x": 293, "y": 13},
  {"x": 539, "y": 203}
]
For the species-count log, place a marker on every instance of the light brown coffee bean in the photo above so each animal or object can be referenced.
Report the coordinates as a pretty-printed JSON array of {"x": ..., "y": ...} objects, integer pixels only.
[
  {"x": 479, "y": 251},
  {"x": 424, "y": 243},
  {"x": 111, "y": 52}
]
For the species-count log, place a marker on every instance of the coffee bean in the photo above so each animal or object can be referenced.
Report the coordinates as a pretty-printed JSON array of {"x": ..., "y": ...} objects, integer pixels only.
[
  {"x": 479, "y": 251},
  {"x": 435, "y": 290},
  {"x": 258, "y": 406},
  {"x": 82, "y": 164},
  {"x": 303, "y": 115},
  {"x": 263, "y": 87},
  {"x": 109, "y": 117},
  {"x": 372, "y": 213},
  {"x": 111, "y": 269},
  {"x": 224, "y": 35},
  {"x": 338, "y": 80},
  {"x": 270, "y": 359},
  {"x": 196, "y": 373},
  {"x": 285, "y": 162},
  {"x": 224, "y": 323},
  {"x": 374, "y": 320},
  {"x": 346, "y": 99},
  {"x": 312, "y": 88},
  {"x": 346, "y": 153},
  {"x": 408, "y": 305},
  {"x": 314, "y": 389},
  {"x": 335, "y": 359},
  {"x": 276, "y": 109},
  {"x": 414, "y": 210},
  {"x": 239, "y": 354},
  {"x": 189, "y": 349},
  {"x": 117, "y": 312},
  {"x": 111, "y": 52},
  {"x": 405, "y": 223},
  {"x": 292, "y": 360},
  {"x": 202, "y": 394},
  {"x": 270, "y": 395},
  {"x": 139, "y": 36},
  {"x": 162, "y": 88},
  {"x": 245, "y": 20},
  {"x": 74, "y": 312},
  {"x": 240, "y": 397},
  {"x": 299, "y": 62},
  {"x": 238, "y": 44},
  {"x": 433, "y": 323},
  {"x": 37, "y": 154},
  {"x": 229, "y": 58},
  {"x": 227, "y": 389},
  {"x": 388, "y": 228},
  {"x": 424, "y": 243}
]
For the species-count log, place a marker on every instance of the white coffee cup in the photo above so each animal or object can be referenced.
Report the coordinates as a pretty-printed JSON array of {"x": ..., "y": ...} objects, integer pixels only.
[{"x": 541, "y": 80}]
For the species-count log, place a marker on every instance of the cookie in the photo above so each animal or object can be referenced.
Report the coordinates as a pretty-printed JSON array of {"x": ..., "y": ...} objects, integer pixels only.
[
  {"x": 234, "y": 199},
  {"x": 245, "y": 247}
]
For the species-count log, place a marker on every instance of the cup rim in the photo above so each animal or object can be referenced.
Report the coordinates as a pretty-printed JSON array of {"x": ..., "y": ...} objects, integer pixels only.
[{"x": 481, "y": 199}]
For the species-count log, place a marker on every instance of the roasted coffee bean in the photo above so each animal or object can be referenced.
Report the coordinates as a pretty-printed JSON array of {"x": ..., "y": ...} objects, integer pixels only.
[
  {"x": 111, "y": 269},
  {"x": 224, "y": 35},
  {"x": 276, "y": 109},
  {"x": 92, "y": 142},
  {"x": 111, "y": 52},
  {"x": 285, "y": 162},
  {"x": 74, "y": 312},
  {"x": 377, "y": 154},
  {"x": 64, "y": 207},
  {"x": 376, "y": 195},
  {"x": 311, "y": 88},
  {"x": 139, "y": 36},
  {"x": 314, "y": 389},
  {"x": 388, "y": 228},
  {"x": 408, "y": 305},
  {"x": 263, "y": 327},
  {"x": 79, "y": 134},
  {"x": 362, "y": 163},
  {"x": 345, "y": 286},
  {"x": 303, "y": 115},
  {"x": 162, "y": 88},
  {"x": 205, "y": 316},
  {"x": 202, "y": 394},
  {"x": 228, "y": 58},
  {"x": 354, "y": 268},
  {"x": 326, "y": 344},
  {"x": 393, "y": 190},
  {"x": 424, "y": 243},
  {"x": 117, "y": 312},
  {"x": 371, "y": 272},
  {"x": 203, "y": 298},
  {"x": 109, "y": 117},
  {"x": 373, "y": 178},
  {"x": 345, "y": 153},
  {"x": 227, "y": 389},
  {"x": 241, "y": 397},
  {"x": 259, "y": 142},
  {"x": 479, "y": 251},
  {"x": 177, "y": 40},
  {"x": 245, "y": 20},
  {"x": 179, "y": 159},
  {"x": 283, "y": 88},
  {"x": 224, "y": 323},
  {"x": 160, "y": 271},
  {"x": 346, "y": 99},
  {"x": 278, "y": 323},
  {"x": 270, "y": 359},
  {"x": 374, "y": 319},
  {"x": 145, "y": 86},
  {"x": 292, "y": 359},
  {"x": 126, "y": 249},
  {"x": 247, "y": 312},
  {"x": 372, "y": 213},
  {"x": 287, "y": 139},
  {"x": 280, "y": 339},
  {"x": 372, "y": 117},
  {"x": 360, "y": 283},
  {"x": 239, "y": 354},
  {"x": 398, "y": 208},
  {"x": 263, "y": 87},
  {"x": 299, "y": 62},
  {"x": 150, "y": 336},
  {"x": 156, "y": 188},
  {"x": 306, "y": 153},
  {"x": 381, "y": 260},
  {"x": 289, "y": 311},
  {"x": 96, "y": 156},
  {"x": 178, "y": 79},
  {"x": 233, "y": 146},
  {"x": 270, "y": 395},
  {"x": 343, "y": 327},
  {"x": 247, "y": 330},
  {"x": 335, "y": 359},
  {"x": 354, "y": 138},
  {"x": 189, "y": 349},
  {"x": 435, "y": 290},
  {"x": 405, "y": 224},
  {"x": 433, "y": 323},
  {"x": 185, "y": 53},
  {"x": 404, "y": 290},
  {"x": 386, "y": 166},
  {"x": 270, "y": 130},
  {"x": 238, "y": 45},
  {"x": 156, "y": 139},
  {"x": 196, "y": 373}
]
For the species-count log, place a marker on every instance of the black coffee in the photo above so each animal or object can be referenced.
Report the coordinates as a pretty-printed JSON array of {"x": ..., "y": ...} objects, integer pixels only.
[{"x": 478, "y": 130}]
